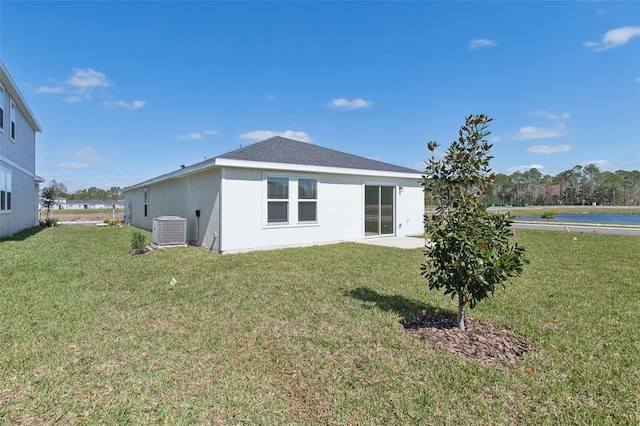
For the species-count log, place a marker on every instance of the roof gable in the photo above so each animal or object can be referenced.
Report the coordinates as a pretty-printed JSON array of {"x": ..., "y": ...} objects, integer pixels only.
[{"x": 288, "y": 151}]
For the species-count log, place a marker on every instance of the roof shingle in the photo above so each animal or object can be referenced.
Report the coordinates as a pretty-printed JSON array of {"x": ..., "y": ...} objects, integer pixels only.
[{"x": 288, "y": 151}]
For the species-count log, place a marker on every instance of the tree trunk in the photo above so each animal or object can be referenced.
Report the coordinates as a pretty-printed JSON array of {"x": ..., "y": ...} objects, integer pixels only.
[{"x": 461, "y": 304}]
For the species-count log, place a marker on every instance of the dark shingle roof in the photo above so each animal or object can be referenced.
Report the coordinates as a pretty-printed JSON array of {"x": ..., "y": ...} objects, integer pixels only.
[{"x": 288, "y": 151}]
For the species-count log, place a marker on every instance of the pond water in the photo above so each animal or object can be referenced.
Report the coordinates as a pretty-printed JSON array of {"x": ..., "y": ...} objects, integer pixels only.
[{"x": 608, "y": 218}]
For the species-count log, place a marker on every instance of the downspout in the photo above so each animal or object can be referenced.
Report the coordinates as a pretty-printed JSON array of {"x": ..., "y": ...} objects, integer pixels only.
[{"x": 217, "y": 236}]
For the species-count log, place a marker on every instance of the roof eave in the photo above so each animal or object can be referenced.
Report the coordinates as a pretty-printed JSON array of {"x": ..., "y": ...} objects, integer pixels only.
[
  {"x": 314, "y": 169},
  {"x": 17, "y": 97},
  {"x": 174, "y": 175},
  {"x": 263, "y": 165}
]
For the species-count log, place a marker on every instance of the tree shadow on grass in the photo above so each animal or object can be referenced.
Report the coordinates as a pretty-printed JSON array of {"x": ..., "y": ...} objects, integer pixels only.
[
  {"x": 22, "y": 235},
  {"x": 406, "y": 308}
]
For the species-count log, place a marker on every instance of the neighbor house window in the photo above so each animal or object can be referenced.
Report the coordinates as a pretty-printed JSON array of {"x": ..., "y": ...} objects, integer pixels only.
[
  {"x": 5, "y": 190},
  {"x": 12, "y": 129},
  {"x": 277, "y": 200},
  {"x": 146, "y": 202},
  {"x": 1, "y": 108},
  {"x": 307, "y": 200}
]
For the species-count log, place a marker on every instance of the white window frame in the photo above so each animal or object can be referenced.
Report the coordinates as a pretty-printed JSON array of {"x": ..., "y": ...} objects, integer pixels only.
[
  {"x": 2, "y": 92},
  {"x": 5, "y": 191},
  {"x": 277, "y": 200},
  {"x": 292, "y": 200},
  {"x": 12, "y": 120},
  {"x": 307, "y": 200},
  {"x": 145, "y": 204}
]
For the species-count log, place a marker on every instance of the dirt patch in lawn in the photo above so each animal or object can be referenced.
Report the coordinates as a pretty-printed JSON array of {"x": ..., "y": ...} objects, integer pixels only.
[{"x": 487, "y": 343}]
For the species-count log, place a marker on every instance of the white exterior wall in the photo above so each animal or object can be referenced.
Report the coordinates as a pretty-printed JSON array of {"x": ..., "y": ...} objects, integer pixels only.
[
  {"x": 340, "y": 209},
  {"x": 180, "y": 197},
  {"x": 410, "y": 209},
  {"x": 19, "y": 157}
]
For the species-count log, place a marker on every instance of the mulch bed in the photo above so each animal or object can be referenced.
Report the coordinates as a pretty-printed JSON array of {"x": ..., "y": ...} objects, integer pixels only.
[{"x": 487, "y": 343}]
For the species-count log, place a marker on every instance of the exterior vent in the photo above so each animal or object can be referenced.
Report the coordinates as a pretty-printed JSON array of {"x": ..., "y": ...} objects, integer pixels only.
[{"x": 169, "y": 230}]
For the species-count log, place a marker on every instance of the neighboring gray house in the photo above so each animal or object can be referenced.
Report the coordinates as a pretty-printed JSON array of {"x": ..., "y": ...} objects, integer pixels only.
[
  {"x": 19, "y": 185},
  {"x": 281, "y": 193}
]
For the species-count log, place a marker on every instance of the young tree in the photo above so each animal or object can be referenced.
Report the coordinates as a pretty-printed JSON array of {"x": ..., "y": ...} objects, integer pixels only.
[
  {"x": 472, "y": 250},
  {"x": 50, "y": 194}
]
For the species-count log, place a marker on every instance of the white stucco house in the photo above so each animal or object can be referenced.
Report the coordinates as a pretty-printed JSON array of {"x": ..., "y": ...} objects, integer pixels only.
[
  {"x": 282, "y": 193},
  {"x": 19, "y": 185}
]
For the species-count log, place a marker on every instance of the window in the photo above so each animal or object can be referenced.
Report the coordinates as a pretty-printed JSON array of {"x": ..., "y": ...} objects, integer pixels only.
[
  {"x": 12, "y": 129},
  {"x": 286, "y": 205},
  {"x": 307, "y": 200},
  {"x": 277, "y": 200},
  {"x": 146, "y": 202},
  {"x": 5, "y": 190},
  {"x": 1, "y": 108}
]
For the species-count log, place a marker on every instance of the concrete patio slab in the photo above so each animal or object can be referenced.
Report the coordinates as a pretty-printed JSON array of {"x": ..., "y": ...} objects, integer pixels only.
[{"x": 399, "y": 242}]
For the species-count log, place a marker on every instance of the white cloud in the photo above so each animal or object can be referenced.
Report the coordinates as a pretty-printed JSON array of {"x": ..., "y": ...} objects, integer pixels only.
[
  {"x": 548, "y": 149},
  {"x": 85, "y": 157},
  {"x": 531, "y": 132},
  {"x": 197, "y": 135},
  {"x": 551, "y": 116},
  {"x": 615, "y": 38},
  {"x": 84, "y": 78},
  {"x": 126, "y": 105},
  {"x": 342, "y": 103},
  {"x": 81, "y": 85},
  {"x": 481, "y": 42},
  {"x": 72, "y": 99},
  {"x": 46, "y": 89},
  {"x": 75, "y": 165},
  {"x": 190, "y": 137},
  {"x": 524, "y": 168},
  {"x": 599, "y": 163},
  {"x": 258, "y": 135}
]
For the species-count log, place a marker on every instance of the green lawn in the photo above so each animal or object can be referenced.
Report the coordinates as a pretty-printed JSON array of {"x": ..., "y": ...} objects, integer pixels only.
[
  {"x": 538, "y": 210},
  {"x": 91, "y": 334}
]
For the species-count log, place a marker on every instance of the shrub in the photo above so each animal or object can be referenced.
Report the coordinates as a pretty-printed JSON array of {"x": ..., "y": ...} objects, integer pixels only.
[
  {"x": 548, "y": 215},
  {"x": 138, "y": 242},
  {"x": 49, "y": 222},
  {"x": 112, "y": 222}
]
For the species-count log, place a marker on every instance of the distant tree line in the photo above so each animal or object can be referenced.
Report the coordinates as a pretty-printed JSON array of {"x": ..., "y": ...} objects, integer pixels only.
[
  {"x": 577, "y": 186},
  {"x": 60, "y": 190}
]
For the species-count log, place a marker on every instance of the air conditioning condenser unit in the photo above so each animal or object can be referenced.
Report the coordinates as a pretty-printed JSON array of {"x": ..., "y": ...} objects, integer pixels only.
[{"x": 169, "y": 230}]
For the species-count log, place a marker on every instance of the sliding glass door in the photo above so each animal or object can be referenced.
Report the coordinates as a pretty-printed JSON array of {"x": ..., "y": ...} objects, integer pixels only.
[{"x": 378, "y": 210}]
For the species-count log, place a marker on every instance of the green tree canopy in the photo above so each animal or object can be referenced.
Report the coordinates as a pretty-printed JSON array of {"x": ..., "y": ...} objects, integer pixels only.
[{"x": 471, "y": 251}]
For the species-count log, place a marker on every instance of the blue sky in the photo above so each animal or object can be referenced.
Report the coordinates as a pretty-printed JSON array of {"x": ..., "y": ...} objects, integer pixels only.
[{"x": 126, "y": 91}]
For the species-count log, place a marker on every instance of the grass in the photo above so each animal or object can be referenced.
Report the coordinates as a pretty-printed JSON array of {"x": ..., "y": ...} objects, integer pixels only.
[
  {"x": 537, "y": 211},
  {"x": 91, "y": 334}
]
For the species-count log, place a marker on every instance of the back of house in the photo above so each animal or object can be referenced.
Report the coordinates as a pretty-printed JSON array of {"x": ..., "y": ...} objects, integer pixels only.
[
  {"x": 282, "y": 193},
  {"x": 19, "y": 185}
]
